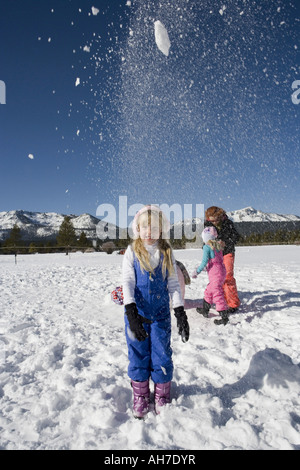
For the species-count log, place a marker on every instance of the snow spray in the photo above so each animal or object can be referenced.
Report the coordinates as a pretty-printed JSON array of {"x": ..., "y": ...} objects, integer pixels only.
[{"x": 186, "y": 89}]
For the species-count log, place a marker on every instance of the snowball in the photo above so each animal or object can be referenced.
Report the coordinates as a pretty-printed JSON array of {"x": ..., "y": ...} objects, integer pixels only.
[
  {"x": 162, "y": 38},
  {"x": 95, "y": 11},
  {"x": 30, "y": 156}
]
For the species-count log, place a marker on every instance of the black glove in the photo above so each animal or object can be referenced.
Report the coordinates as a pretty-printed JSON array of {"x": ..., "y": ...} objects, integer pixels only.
[
  {"x": 136, "y": 322},
  {"x": 182, "y": 323}
]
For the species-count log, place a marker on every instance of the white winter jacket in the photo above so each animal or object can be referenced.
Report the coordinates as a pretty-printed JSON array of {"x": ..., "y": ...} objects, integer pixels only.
[{"x": 129, "y": 276}]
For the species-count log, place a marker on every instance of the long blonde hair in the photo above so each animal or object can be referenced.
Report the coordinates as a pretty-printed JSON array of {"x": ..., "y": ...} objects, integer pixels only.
[{"x": 163, "y": 246}]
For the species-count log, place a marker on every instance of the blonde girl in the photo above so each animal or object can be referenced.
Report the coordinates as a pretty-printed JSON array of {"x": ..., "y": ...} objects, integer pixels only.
[{"x": 149, "y": 281}]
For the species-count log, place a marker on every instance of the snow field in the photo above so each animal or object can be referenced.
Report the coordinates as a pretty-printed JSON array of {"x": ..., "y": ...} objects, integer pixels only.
[{"x": 63, "y": 359}]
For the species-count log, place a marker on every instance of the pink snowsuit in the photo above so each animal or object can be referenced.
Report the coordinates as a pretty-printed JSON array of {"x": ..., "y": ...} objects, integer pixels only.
[
  {"x": 214, "y": 293},
  {"x": 213, "y": 262}
]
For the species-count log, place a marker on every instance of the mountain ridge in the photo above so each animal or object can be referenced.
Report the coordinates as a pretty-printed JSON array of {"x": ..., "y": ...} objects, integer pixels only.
[{"x": 44, "y": 226}]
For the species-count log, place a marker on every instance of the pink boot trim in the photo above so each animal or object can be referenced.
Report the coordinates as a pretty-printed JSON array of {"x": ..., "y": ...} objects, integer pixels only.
[{"x": 141, "y": 398}]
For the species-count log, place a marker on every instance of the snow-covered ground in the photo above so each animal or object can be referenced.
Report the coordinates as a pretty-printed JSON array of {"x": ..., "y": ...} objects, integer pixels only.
[{"x": 63, "y": 359}]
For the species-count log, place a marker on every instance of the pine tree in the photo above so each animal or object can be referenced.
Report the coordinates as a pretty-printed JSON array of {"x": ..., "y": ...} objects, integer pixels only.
[
  {"x": 83, "y": 241},
  {"x": 32, "y": 248},
  {"x": 66, "y": 235},
  {"x": 15, "y": 238}
]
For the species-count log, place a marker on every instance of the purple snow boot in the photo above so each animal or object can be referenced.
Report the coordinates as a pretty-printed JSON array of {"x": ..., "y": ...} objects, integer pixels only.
[
  {"x": 161, "y": 395},
  {"x": 141, "y": 398}
]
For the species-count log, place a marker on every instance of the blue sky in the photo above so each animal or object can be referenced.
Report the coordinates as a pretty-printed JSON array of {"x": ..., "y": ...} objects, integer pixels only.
[{"x": 213, "y": 123}]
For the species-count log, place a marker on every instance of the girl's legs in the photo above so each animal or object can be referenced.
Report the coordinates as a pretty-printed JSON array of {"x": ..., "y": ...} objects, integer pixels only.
[
  {"x": 229, "y": 287},
  {"x": 220, "y": 302},
  {"x": 219, "y": 298},
  {"x": 139, "y": 355},
  {"x": 161, "y": 351},
  {"x": 139, "y": 371},
  {"x": 151, "y": 356},
  {"x": 208, "y": 293},
  {"x": 162, "y": 364}
]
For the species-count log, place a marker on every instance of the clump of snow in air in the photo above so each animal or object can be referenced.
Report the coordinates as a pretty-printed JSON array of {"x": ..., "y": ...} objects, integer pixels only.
[
  {"x": 30, "y": 156},
  {"x": 162, "y": 38},
  {"x": 221, "y": 11},
  {"x": 95, "y": 11},
  {"x": 77, "y": 81}
]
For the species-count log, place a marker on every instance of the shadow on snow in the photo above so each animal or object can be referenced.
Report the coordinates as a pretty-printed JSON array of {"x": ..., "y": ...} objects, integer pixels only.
[
  {"x": 259, "y": 303},
  {"x": 269, "y": 366}
]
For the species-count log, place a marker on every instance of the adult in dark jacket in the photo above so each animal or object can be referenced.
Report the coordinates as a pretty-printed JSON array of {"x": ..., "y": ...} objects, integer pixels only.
[{"x": 216, "y": 217}]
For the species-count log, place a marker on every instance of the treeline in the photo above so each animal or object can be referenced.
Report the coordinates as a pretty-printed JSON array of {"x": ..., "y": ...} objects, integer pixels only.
[
  {"x": 287, "y": 237},
  {"x": 67, "y": 241}
]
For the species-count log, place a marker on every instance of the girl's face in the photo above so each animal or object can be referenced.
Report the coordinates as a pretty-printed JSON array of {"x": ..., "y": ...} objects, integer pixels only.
[
  {"x": 149, "y": 230},
  {"x": 215, "y": 219}
]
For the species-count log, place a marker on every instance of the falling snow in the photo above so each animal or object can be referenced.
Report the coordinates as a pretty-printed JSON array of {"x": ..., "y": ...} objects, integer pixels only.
[{"x": 182, "y": 88}]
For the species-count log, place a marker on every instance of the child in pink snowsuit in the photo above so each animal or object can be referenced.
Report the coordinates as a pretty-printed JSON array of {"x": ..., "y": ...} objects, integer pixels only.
[{"x": 213, "y": 262}]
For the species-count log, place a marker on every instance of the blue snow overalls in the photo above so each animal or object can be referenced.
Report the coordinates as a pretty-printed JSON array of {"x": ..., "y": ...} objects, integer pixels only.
[{"x": 153, "y": 356}]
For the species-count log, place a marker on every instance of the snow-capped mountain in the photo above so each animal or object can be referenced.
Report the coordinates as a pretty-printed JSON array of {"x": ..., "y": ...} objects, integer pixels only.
[
  {"x": 44, "y": 226},
  {"x": 250, "y": 220},
  {"x": 249, "y": 214},
  {"x": 247, "y": 220},
  {"x": 25, "y": 218}
]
